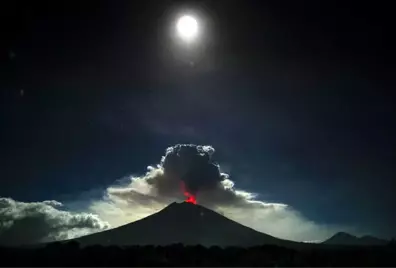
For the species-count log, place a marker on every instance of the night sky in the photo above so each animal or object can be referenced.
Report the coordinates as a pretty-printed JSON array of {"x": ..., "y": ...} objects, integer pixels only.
[{"x": 297, "y": 98}]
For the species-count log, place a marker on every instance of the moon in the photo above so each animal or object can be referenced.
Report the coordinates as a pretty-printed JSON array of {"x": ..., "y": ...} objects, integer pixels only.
[{"x": 187, "y": 28}]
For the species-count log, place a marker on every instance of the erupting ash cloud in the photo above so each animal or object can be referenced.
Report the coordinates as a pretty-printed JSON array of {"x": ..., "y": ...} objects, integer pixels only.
[
  {"x": 188, "y": 172},
  {"x": 191, "y": 165}
]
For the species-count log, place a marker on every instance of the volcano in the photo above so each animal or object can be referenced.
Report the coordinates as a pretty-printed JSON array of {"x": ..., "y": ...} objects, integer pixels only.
[
  {"x": 184, "y": 223},
  {"x": 343, "y": 238}
]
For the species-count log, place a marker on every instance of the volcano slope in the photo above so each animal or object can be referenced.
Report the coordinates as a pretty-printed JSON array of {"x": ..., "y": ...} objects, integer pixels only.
[{"x": 184, "y": 223}]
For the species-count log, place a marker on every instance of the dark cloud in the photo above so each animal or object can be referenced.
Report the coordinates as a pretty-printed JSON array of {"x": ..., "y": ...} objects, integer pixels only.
[
  {"x": 194, "y": 166},
  {"x": 35, "y": 222}
]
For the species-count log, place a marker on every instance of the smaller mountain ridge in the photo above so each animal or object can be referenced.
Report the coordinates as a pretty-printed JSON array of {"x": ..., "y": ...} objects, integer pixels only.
[{"x": 346, "y": 239}]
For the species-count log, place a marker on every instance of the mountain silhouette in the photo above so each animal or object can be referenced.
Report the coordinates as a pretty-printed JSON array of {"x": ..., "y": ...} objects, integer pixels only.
[
  {"x": 343, "y": 238},
  {"x": 183, "y": 223}
]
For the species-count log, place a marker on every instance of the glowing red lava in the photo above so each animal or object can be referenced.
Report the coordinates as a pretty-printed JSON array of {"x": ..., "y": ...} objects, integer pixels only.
[{"x": 190, "y": 198}]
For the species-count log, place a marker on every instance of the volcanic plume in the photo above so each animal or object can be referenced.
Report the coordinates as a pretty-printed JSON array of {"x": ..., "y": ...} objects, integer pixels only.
[
  {"x": 193, "y": 165},
  {"x": 186, "y": 171}
]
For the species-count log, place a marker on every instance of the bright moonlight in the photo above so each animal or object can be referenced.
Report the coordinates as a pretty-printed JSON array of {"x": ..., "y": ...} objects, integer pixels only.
[{"x": 187, "y": 28}]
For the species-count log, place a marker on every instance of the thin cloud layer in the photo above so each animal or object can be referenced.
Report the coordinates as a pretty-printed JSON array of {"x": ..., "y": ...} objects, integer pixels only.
[
  {"x": 36, "y": 222},
  {"x": 193, "y": 165}
]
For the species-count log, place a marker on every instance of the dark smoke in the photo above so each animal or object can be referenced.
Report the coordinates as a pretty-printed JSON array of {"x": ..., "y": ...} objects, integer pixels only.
[{"x": 194, "y": 166}]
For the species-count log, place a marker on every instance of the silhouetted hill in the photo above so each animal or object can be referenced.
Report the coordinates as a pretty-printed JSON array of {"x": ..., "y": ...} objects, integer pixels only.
[
  {"x": 343, "y": 238},
  {"x": 183, "y": 223}
]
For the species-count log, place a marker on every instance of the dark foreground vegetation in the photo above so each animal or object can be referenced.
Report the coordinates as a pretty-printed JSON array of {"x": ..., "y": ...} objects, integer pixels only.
[{"x": 70, "y": 254}]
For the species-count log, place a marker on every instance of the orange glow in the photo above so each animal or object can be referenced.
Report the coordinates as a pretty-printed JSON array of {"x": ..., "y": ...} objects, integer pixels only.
[{"x": 190, "y": 198}]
